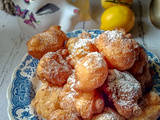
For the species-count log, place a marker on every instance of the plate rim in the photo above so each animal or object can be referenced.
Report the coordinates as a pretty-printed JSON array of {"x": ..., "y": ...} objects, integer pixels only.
[{"x": 8, "y": 95}]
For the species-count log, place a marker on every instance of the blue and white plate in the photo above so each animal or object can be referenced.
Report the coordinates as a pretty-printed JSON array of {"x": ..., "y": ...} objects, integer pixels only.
[{"x": 24, "y": 83}]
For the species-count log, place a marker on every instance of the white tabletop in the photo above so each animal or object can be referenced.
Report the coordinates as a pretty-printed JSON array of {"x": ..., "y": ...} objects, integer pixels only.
[{"x": 13, "y": 42}]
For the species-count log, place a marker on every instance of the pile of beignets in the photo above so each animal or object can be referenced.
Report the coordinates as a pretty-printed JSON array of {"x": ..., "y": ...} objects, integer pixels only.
[{"x": 102, "y": 78}]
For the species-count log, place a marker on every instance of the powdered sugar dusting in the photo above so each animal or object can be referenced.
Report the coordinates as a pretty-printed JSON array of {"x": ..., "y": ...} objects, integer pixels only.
[
  {"x": 71, "y": 80},
  {"x": 80, "y": 49},
  {"x": 81, "y": 43},
  {"x": 113, "y": 35},
  {"x": 68, "y": 94},
  {"x": 53, "y": 69},
  {"x": 124, "y": 87},
  {"x": 108, "y": 114},
  {"x": 97, "y": 58}
]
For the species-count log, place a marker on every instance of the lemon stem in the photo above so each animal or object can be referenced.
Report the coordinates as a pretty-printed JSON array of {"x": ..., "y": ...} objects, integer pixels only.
[{"x": 113, "y": 1}]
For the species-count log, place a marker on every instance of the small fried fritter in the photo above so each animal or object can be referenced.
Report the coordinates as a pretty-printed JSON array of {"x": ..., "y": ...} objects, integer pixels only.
[
  {"x": 140, "y": 70},
  {"x": 68, "y": 95},
  {"x": 78, "y": 48},
  {"x": 63, "y": 53},
  {"x": 70, "y": 44},
  {"x": 150, "y": 104},
  {"x": 124, "y": 90},
  {"x": 63, "y": 115},
  {"x": 71, "y": 41},
  {"x": 89, "y": 103},
  {"x": 141, "y": 61},
  {"x": 85, "y": 35},
  {"x": 84, "y": 104},
  {"x": 48, "y": 41},
  {"x": 90, "y": 72},
  {"x": 119, "y": 50},
  {"x": 108, "y": 114},
  {"x": 46, "y": 100},
  {"x": 53, "y": 68}
]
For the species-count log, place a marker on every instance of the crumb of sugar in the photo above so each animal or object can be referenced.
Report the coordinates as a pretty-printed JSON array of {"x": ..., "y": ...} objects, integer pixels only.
[{"x": 113, "y": 35}]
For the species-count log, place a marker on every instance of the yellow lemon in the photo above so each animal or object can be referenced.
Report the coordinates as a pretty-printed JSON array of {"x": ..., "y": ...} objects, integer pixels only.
[
  {"x": 109, "y": 3},
  {"x": 117, "y": 17}
]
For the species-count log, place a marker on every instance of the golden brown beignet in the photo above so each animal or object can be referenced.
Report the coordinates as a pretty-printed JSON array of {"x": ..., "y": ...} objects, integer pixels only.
[
  {"x": 79, "y": 47},
  {"x": 48, "y": 41},
  {"x": 150, "y": 104},
  {"x": 70, "y": 44},
  {"x": 63, "y": 53},
  {"x": 53, "y": 68},
  {"x": 71, "y": 41},
  {"x": 84, "y": 104},
  {"x": 108, "y": 114},
  {"x": 85, "y": 35},
  {"x": 46, "y": 100},
  {"x": 119, "y": 50},
  {"x": 140, "y": 70},
  {"x": 68, "y": 95},
  {"x": 63, "y": 115},
  {"x": 125, "y": 91},
  {"x": 90, "y": 72}
]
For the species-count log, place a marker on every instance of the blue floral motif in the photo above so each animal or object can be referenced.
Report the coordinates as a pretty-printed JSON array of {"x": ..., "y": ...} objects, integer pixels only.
[
  {"x": 70, "y": 34},
  {"x": 35, "y": 118},
  {"x": 157, "y": 88},
  {"x": 77, "y": 32},
  {"x": 151, "y": 55},
  {"x": 28, "y": 57},
  {"x": 28, "y": 71},
  {"x": 25, "y": 114},
  {"x": 33, "y": 63},
  {"x": 31, "y": 66},
  {"x": 156, "y": 60},
  {"x": 22, "y": 92},
  {"x": 95, "y": 33}
]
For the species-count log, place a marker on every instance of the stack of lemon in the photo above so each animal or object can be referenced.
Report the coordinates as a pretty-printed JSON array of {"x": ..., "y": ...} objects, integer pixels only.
[{"x": 117, "y": 15}]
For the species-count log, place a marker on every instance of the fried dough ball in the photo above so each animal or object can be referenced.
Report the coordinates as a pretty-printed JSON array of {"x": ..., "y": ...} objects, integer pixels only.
[
  {"x": 108, "y": 114},
  {"x": 71, "y": 41},
  {"x": 140, "y": 70},
  {"x": 125, "y": 91},
  {"x": 85, "y": 35},
  {"x": 53, "y": 68},
  {"x": 68, "y": 96},
  {"x": 63, "y": 115},
  {"x": 90, "y": 72},
  {"x": 145, "y": 78},
  {"x": 84, "y": 104},
  {"x": 88, "y": 104},
  {"x": 48, "y": 41},
  {"x": 119, "y": 50},
  {"x": 78, "y": 48},
  {"x": 63, "y": 53},
  {"x": 150, "y": 104},
  {"x": 142, "y": 60},
  {"x": 46, "y": 100},
  {"x": 70, "y": 44}
]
